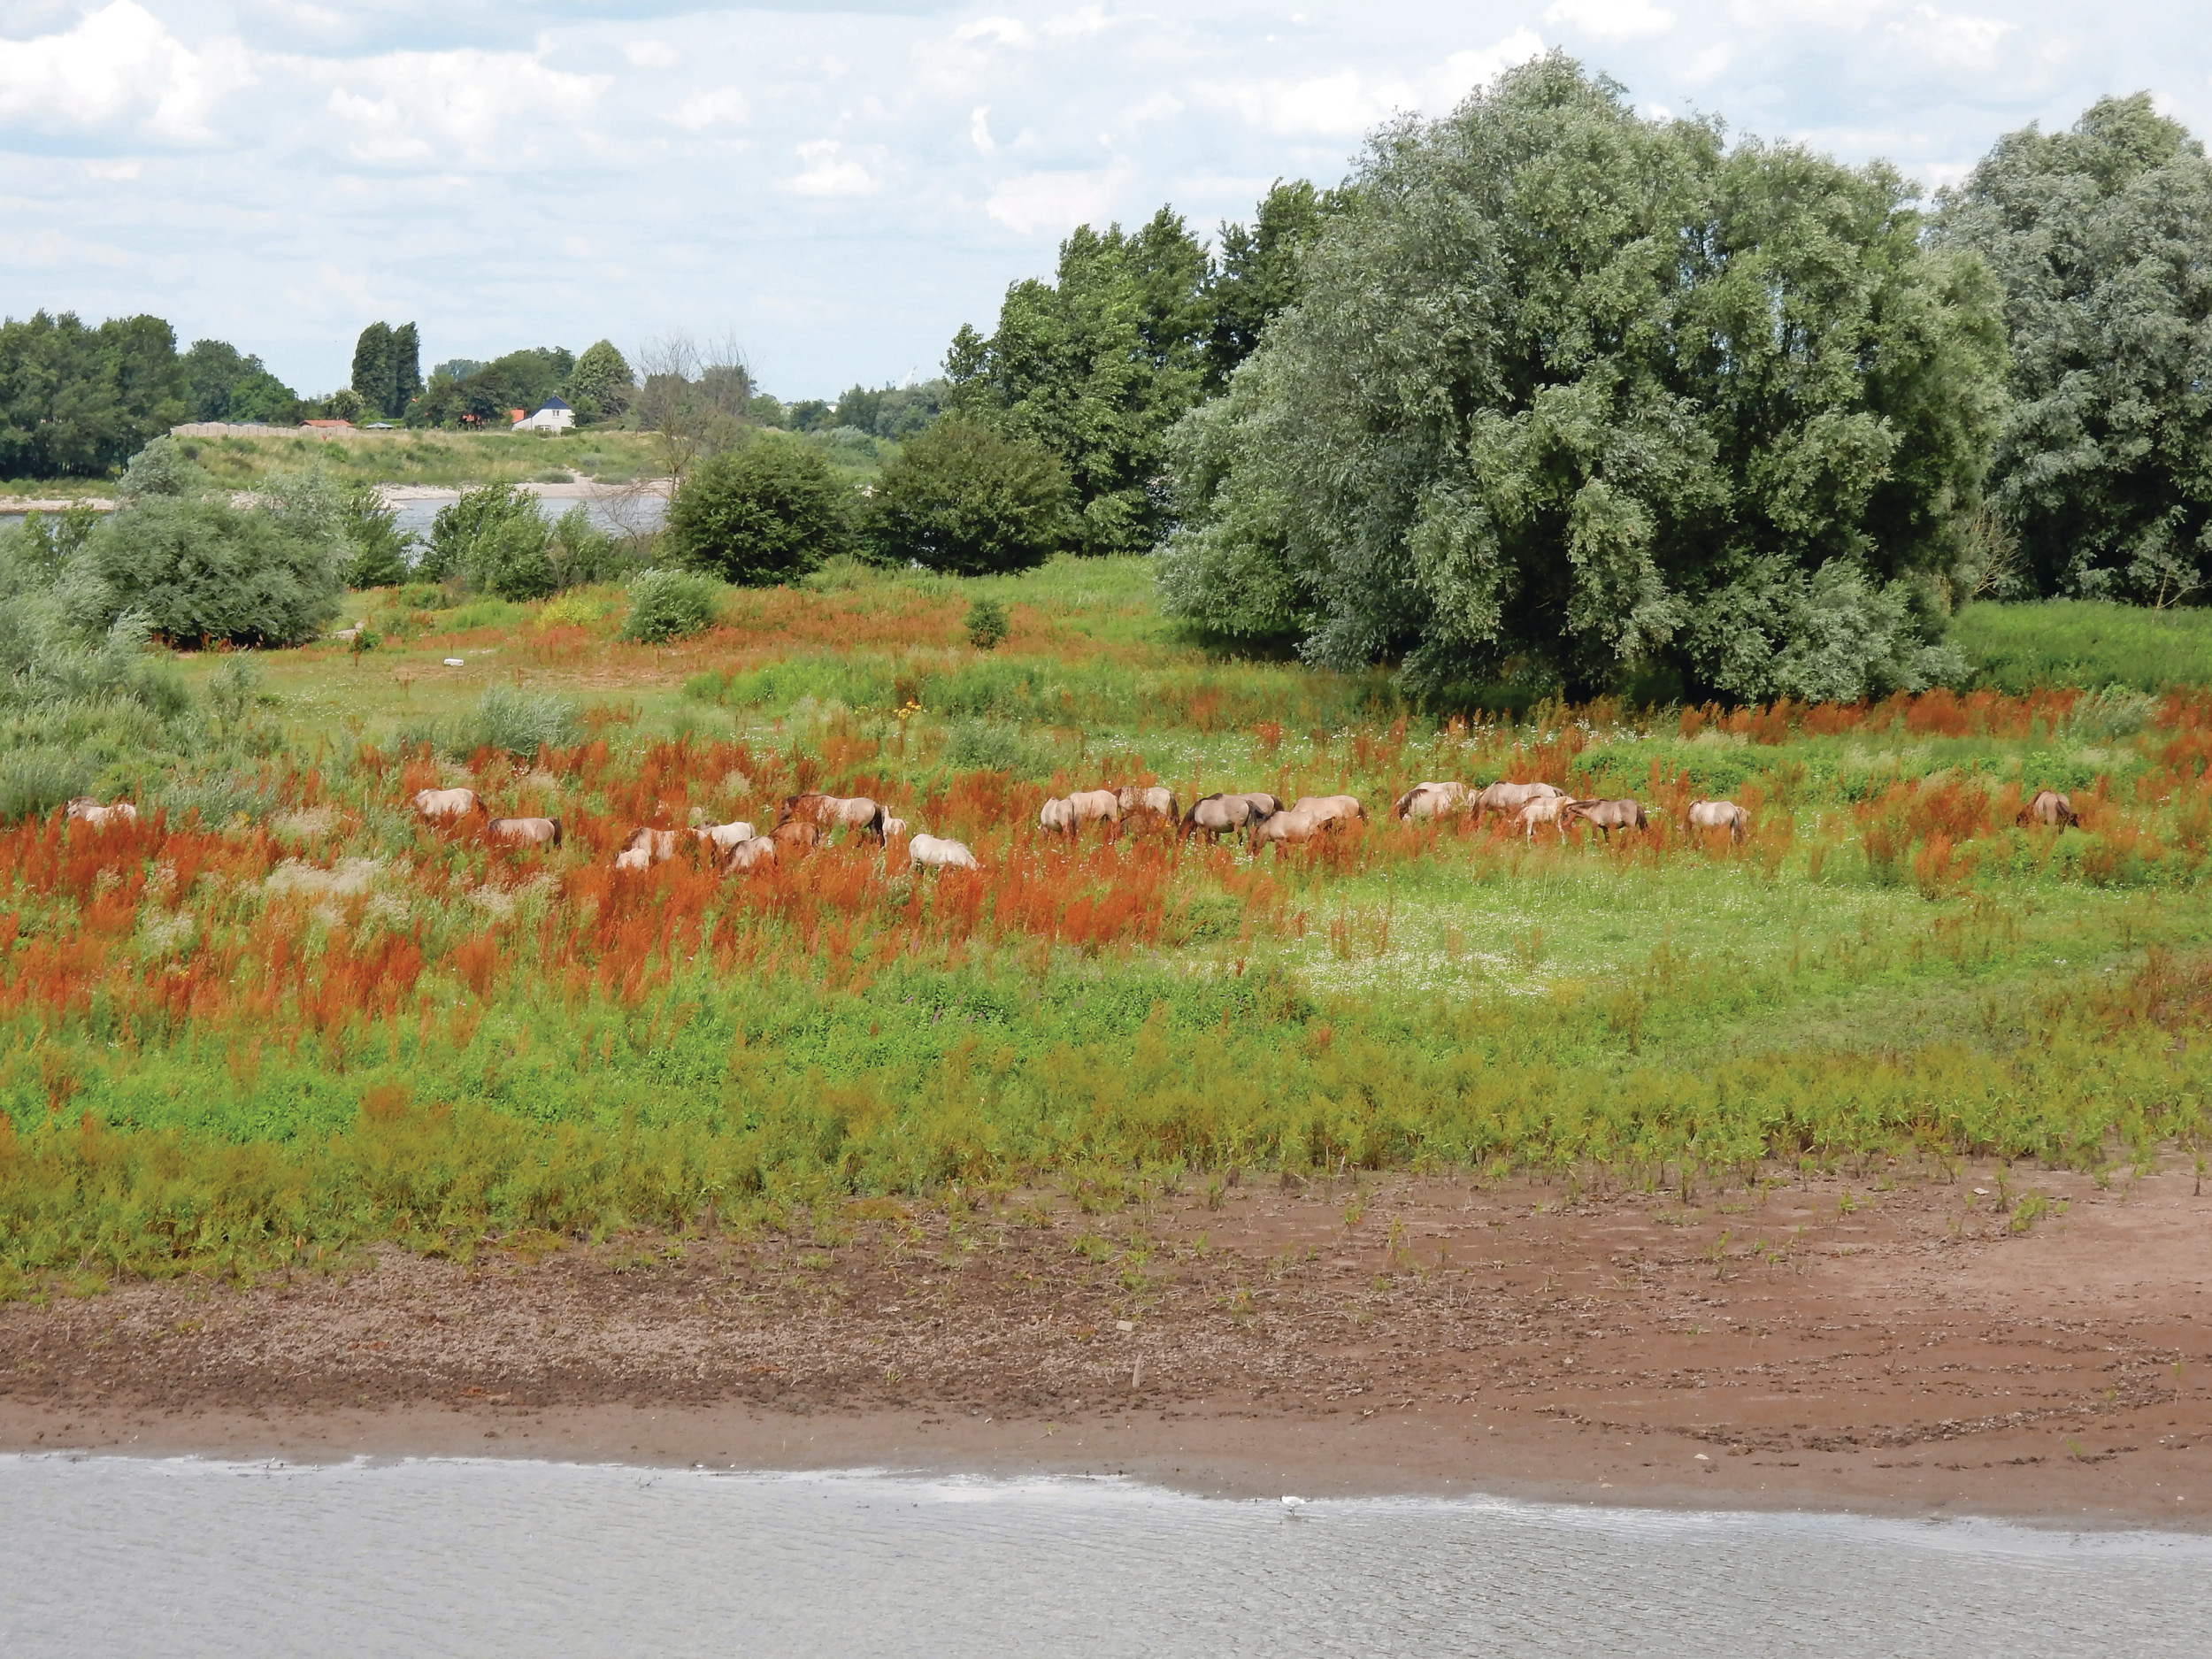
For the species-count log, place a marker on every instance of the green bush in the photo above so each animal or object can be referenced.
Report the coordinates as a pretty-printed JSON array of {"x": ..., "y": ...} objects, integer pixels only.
[
  {"x": 376, "y": 547},
  {"x": 460, "y": 525},
  {"x": 767, "y": 511},
  {"x": 199, "y": 570},
  {"x": 521, "y": 722},
  {"x": 34, "y": 781},
  {"x": 988, "y": 624},
  {"x": 961, "y": 498},
  {"x": 669, "y": 605}
]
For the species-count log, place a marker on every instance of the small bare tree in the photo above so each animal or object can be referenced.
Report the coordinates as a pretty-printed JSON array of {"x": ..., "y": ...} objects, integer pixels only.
[{"x": 692, "y": 397}]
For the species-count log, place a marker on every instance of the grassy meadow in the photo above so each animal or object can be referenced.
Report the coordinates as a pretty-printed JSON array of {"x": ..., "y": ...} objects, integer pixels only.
[{"x": 279, "y": 1016}]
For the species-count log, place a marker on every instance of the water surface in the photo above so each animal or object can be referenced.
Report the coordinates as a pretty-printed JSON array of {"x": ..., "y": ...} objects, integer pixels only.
[{"x": 106, "y": 1554}]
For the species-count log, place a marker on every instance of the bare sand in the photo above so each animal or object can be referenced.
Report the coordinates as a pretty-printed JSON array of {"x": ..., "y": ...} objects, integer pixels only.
[{"x": 1903, "y": 1351}]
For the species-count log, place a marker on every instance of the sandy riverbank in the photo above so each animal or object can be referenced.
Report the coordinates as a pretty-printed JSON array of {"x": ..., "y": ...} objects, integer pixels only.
[{"x": 1906, "y": 1352}]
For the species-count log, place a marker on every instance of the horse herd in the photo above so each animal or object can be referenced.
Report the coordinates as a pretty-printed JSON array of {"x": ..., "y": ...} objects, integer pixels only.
[{"x": 806, "y": 821}]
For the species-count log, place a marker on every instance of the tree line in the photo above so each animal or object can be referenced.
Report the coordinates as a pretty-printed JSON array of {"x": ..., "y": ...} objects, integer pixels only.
[{"x": 1548, "y": 391}]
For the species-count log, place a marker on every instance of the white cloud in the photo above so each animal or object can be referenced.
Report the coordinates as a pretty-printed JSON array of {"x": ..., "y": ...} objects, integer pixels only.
[
  {"x": 1612, "y": 19},
  {"x": 1948, "y": 39},
  {"x": 652, "y": 55},
  {"x": 830, "y": 172},
  {"x": 1056, "y": 201},
  {"x": 979, "y": 129},
  {"x": 1463, "y": 72},
  {"x": 120, "y": 67},
  {"x": 725, "y": 107},
  {"x": 405, "y": 107}
]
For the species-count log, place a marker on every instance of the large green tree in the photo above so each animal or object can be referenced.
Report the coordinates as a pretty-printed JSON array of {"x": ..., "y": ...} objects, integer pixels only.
[
  {"x": 1095, "y": 367},
  {"x": 2101, "y": 238},
  {"x": 1578, "y": 397},
  {"x": 963, "y": 498},
  {"x": 1256, "y": 276},
  {"x": 223, "y": 385},
  {"x": 387, "y": 369},
  {"x": 600, "y": 385},
  {"x": 76, "y": 401}
]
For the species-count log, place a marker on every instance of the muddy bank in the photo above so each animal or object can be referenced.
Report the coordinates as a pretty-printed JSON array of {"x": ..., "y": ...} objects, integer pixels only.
[{"x": 1810, "y": 1345}]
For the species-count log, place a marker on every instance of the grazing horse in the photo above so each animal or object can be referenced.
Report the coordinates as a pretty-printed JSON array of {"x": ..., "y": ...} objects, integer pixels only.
[
  {"x": 796, "y": 835},
  {"x": 445, "y": 805},
  {"x": 1712, "y": 815},
  {"x": 1545, "y": 809},
  {"x": 84, "y": 810},
  {"x": 894, "y": 829},
  {"x": 2049, "y": 807},
  {"x": 524, "y": 831},
  {"x": 1430, "y": 800},
  {"x": 836, "y": 811},
  {"x": 1607, "y": 814},
  {"x": 633, "y": 859},
  {"x": 1330, "y": 806},
  {"x": 934, "y": 852},
  {"x": 1217, "y": 814},
  {"x": 722, "y": 837},
  {"x": 750, "y": 854},
  {"x": 1151, "y": 798},
  {"x": 1509, "y": 798},
  {"x": 658, "y": 845},
  {"x": 1280, "y": 829},
  {"x": 1085, "y": 806}
]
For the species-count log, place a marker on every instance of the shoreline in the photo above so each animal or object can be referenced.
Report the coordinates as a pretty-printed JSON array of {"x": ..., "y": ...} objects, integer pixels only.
[{"x": 1903, "y": 1355}]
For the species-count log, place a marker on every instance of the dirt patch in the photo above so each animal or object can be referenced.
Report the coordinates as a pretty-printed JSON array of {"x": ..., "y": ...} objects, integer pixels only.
[{"x": 2017, "y": 1344}]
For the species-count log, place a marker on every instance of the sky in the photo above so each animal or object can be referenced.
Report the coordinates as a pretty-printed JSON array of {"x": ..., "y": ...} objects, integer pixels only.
[{"x": 838, "y": 187}]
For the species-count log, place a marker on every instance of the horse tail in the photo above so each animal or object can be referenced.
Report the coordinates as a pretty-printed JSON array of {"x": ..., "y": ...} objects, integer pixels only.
[
  {"x": 556, "y": 832},
  {"x": 876, "y": 823}
]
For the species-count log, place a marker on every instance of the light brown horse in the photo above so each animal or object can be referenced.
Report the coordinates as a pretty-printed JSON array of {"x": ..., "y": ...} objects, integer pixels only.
[
  {"x": 2050, "y": 808},
  {"x": 1216, "y": 815},
  {"x": 934, "y": 852},
  {"x": 1283, "y": 829},
  {"x": 633, "y": 859},
  {"x": 1712, "y": 815},
  {"x": 836, "y": 811},
  {"x": 84, "y": 810},
  {"x": 1508, "y": 798},
  {"x": 1154, "y": 799},
  {"x": 524, "y": 831},
  {"x": 1545, "y": 809},
  {"x": 1607, "y": 814},
  {"x": 796, "y": 835},
  {"x": 1068, "y": 814},
  {"x": 1427, "y": 801},
  {"x": 894, "y": 829},
  {"x": 722, "y": 837},
  {"x": 445, "y": 805},
  {"x": 658, "y": 845},
  {"x": 748, "y": 854},
  {"x": 1330, "y": 806}
]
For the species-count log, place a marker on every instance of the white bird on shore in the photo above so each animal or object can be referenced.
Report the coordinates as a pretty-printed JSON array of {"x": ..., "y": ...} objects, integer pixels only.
[{"x": 1291, "y": 1506}]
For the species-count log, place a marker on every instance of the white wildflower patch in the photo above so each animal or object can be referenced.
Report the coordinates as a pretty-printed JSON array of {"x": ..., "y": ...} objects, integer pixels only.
[
  {"x": 345, "y": 879},
  {"x": 163, "y": 933},
  {"x": 308, "y": 825}
]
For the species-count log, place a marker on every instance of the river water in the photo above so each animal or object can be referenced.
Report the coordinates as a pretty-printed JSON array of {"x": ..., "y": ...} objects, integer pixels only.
[{"x": 110, "y": 1555}]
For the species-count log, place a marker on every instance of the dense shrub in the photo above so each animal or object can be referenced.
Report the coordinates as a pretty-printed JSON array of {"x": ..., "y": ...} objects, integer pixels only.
[
  {"x": 460, "y": 525},
  {"x": 198, "y": 570},
  {"x": 376, "y": 547},
  {"x": 965, "y": 499},
  {"x": 496, "y": 539},
  {"x": 767, "y": 511},
  {"x": 669, "y": 605}
]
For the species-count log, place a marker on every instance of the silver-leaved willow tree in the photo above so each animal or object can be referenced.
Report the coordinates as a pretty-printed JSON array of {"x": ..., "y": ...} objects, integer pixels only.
[{"x": 1581, "y": 400}]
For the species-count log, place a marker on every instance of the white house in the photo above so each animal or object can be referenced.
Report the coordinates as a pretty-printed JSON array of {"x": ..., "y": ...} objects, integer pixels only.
[{"x": 555, "y": 417}]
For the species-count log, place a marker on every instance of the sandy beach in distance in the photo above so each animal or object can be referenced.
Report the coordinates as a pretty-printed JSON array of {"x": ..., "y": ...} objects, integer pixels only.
[{"x": 1902, "y": 1351}]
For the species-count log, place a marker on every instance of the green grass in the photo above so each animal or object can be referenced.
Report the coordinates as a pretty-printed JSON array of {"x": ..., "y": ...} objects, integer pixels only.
[{"x": 2085, "y": 642}]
